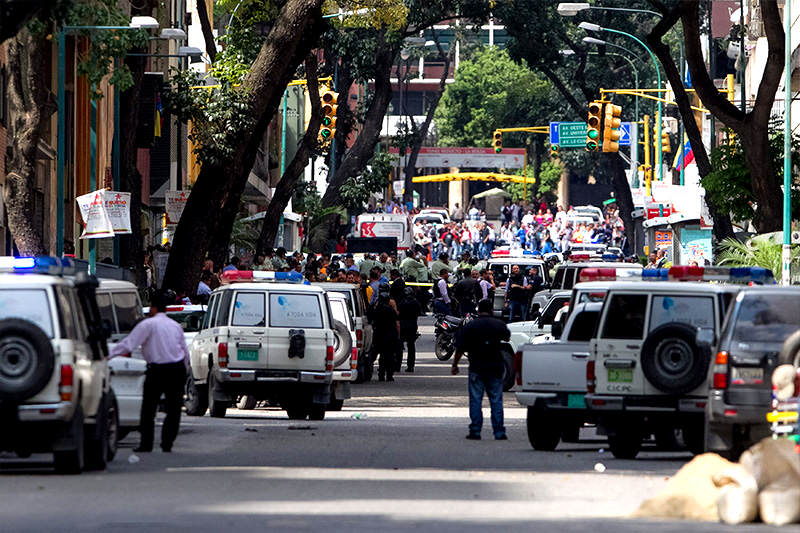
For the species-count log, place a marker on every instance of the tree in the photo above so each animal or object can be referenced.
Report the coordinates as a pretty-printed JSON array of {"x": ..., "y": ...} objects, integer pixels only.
[
  {"x": 752, "y": 125},
  {"x": 226, "y": 165},
  {"x": 15, "y": 14}
]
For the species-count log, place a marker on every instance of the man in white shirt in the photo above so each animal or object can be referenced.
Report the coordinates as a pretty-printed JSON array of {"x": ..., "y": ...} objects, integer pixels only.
[
  {"x": 164, "y": 349},
  {"x": 528, "y": 219}
]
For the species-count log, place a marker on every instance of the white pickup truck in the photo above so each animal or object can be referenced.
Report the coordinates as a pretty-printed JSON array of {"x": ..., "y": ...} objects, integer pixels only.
[{"x": 552, "y": 380}]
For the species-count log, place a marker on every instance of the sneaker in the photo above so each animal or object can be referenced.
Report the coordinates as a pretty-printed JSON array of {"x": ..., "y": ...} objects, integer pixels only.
[
  {"x": 502, "y": 437},
  {"x": 473, "y": 436}
]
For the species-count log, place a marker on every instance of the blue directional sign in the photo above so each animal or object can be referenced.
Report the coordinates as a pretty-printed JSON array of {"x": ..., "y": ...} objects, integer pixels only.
[
  {"x": 554, "y": 133},
  {"x": 625, "y": 134}
]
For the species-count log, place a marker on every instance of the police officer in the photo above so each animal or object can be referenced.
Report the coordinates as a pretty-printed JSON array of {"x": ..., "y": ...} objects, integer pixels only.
[
  {"x": 387, "y": 333},
  {"x": 409, "y": 310},
  {"x": 482, "y": 338},
  {"x": 164, "y": 349}
]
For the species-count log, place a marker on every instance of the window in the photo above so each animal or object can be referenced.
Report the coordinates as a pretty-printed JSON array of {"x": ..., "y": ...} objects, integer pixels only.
[
  {"x": 106, "y": 312},
  {"x": 190, "y": 321},
  {"x": 583, "y": 326},
  {"x": 80, "y": 318},
  {"x": 210, "y": 311},
  {"x": 500, "y": 273},
  {"x": 697, "y": 311},
  {"x": 249, "y": 309},
  {"x": 128, "y": 310},
  {"x": 625, "y": 316},
  {"x": 223, "y": 307},
  {"x": 28, "y": 304},
  {"x": 569, "y": 278},
  {"x": 767, "y": 318},
  {"x": 340, "y": 313},
  {"x": 558, "y": 281},
  {"x": 66, "y": 314},
  {"x": 295, "y": 311},
  {"x": 552, "y": 308}
]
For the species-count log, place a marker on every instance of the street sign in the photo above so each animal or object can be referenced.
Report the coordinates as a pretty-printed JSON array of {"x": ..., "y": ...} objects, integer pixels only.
[
  {"x": 625, "y": 134},
  {"x": 568, "y": 134}
]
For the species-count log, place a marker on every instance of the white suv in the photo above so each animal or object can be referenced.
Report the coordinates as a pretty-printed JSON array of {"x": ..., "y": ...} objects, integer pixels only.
[
  {"x": 273, "y": 341},
  {"x": 647, "y": 372},
  {"x": 55, "y": 393}
]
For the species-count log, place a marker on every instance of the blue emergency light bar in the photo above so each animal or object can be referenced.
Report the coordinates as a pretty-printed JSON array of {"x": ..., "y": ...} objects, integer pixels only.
[{"x": 37, "y": 265}]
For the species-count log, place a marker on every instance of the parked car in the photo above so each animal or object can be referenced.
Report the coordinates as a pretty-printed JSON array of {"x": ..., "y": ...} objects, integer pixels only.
[{"x": 760, "y": 320}]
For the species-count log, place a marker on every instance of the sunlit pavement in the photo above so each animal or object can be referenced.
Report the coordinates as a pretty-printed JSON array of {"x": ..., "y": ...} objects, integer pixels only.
[{"x": 394, "y": 459}]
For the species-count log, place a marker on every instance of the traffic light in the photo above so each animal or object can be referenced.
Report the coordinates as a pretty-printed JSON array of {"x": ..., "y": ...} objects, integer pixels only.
[
  {"x": 611, "y": 125},
  {"x": 593, "y": 126},
  {"x": 665, "y": 146},
  {"x": 497, "y": 141},
  {"x": 329, "y": 100},
  {"x": 553, "y": 150}
]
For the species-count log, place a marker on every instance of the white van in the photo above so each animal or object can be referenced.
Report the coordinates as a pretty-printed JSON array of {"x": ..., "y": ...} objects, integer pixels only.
[{"x": 387, "y": 225}]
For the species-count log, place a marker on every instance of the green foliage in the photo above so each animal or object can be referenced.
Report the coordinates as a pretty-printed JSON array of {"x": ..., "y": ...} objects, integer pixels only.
[
  {"x": 728, "y": 185},
  {"x": 356, "y": 190},
  {"x": 755, "y": 252},
  {"x": 490, "y": 91},
  {"x": 243, "y": 235},
  {"x": 105, "y": 45},
  {"x": 241, "y": 46},
  {"x": 219, "y": 115},
  {"x": 549, "y": 177}
]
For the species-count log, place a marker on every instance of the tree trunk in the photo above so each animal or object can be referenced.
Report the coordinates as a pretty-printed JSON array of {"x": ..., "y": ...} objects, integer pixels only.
[
  {"x": 752, "y": 126},
  {"x": 287, "y": 183},
  {"x": 622, "y": 193},
  {"x": 31, "y": 105},
  {"x": 208, "y": 34},
  {"x": 297, "y": 27},
  {"x": 363, "y": 147},
  {"x": 422, "y": 133},
  {"x": 722, "y": 221}
]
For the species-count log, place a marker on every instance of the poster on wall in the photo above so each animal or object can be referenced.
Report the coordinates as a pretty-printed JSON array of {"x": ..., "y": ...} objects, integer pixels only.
[
  {"x": 96, "y": 222},
  {"x": 696, "y": 246},
  {"x": 175, "y": 201},
  {"x": 118, "y": 207}
]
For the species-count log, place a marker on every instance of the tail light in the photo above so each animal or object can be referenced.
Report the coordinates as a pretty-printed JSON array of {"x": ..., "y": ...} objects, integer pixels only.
[
  {"x": 65, "y": 384},
  {"x": 354, "y": 359},
  {"x": 329, "y": 359},
  {"x": 591, "y": 379},
  {"x": 720, "y": 378},
  {"x": 518, "y": 367},
  {"x": 359, "y": 338},
  {"x": 222, "y": 355}
]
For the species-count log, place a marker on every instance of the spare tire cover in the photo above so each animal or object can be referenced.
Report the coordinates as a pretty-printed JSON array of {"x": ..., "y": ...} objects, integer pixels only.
[
  {"x": 27, "y": 359},
  {"x": 671, "y": 359},
  {"x": 790, "y": 351},
  {"x": 343, "y": 343}
]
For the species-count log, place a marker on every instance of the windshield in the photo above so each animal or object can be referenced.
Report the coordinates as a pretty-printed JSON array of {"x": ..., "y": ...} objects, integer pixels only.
[
  {"x": 190, "y": 321},
  {"x": 767, "y": 318},
  {"x": 28, "y": 304}
]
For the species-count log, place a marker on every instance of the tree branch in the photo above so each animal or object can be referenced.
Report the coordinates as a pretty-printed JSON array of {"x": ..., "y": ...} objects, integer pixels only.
[
  {"x": 773, "y": 70},
  {"x": 208, "y": 32}
]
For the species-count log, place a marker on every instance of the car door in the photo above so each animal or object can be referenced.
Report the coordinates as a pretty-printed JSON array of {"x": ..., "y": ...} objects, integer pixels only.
[
  {"x": 290, "y": 312},
  {"x": 127, "y": 372},
  {"x": 618, "y": 346}
]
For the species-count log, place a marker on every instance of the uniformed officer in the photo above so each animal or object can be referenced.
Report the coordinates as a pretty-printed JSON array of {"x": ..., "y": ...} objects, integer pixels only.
[{"x": 482, "y": 337}]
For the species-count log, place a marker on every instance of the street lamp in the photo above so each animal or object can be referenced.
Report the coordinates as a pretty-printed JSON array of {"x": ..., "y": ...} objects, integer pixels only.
[
  {"x": 570, "y": 9},
  {"x": 136, "y": 23},
  {"x": 600, "y": 42},
  {"x": 569, "y": 52},
  {"x": 588, "y": 26}
]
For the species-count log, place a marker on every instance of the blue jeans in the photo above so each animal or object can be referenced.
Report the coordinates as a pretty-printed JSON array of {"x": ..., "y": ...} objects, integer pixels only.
[
  {"x": 517, "y": 308},
  {"x": 494, "y": 390}
]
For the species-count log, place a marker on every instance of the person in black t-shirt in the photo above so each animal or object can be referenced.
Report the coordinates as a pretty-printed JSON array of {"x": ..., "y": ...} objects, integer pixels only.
[
  {"x": 409, "y": 310},
  {"x": 386, "y": 336},
  {"x": 482, "y": 337},
  {"x": 517, "y": 290},
  {"x": 466, "y": 292}
]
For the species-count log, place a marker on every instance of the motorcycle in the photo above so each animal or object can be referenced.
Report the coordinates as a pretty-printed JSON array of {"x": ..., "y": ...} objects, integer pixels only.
[{"x": 446, "y": 329}]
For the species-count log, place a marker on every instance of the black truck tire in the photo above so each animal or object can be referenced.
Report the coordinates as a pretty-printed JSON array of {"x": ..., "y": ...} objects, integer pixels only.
[
  {"x": 672, "y": 361},
  {"x": 195, "y": 397},
  {"x": 544, "y": 432},
  {"x": 27, "y": 359}
]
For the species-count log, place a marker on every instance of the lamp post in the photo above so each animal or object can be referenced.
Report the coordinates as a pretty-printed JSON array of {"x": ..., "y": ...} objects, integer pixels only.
[
  {"x": 595, "y": 27},
  {"x": 138, "y": 22},
  {"x": 599, "y": 42},
  {"x": 786, "y": 249}
]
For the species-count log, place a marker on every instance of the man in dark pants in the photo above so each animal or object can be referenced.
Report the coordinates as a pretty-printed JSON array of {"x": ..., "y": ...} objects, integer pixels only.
[
  {"x": 386, "y": 334},
  {"x": 481, "y": 338},
  {"x": 409, "y": 311},
  {"x": 466, "y": 292},
  {"x": 164, "y": 349}
]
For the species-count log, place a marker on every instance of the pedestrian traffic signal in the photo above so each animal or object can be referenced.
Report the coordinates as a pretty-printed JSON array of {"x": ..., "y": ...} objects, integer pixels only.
[
  {"x": 611, "y": 125},
  {"x": 593, "y": 126},
  {"x": 329, "y": 101},
  {"x": 497, "y": 141}
]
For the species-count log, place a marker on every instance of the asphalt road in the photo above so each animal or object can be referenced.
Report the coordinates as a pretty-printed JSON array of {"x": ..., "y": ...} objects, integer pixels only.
[{"x": 395, "y": 459}]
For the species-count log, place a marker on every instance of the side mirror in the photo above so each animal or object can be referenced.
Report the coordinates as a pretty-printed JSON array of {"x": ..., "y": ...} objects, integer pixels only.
[
  {"x": 556, "y": 330},
  {"x": 704, "y": 337}
]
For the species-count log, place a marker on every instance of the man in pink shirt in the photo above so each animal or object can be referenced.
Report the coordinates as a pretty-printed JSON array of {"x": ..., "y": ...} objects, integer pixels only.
[{"x": 164, "y": 349}]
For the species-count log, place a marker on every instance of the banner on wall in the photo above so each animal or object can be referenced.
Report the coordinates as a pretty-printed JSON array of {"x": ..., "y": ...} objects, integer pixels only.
[{"x": 175, "y": 201}]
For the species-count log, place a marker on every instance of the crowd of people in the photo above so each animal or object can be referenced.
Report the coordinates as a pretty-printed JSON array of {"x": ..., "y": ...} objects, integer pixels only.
[{"x": 538, "y": 227}]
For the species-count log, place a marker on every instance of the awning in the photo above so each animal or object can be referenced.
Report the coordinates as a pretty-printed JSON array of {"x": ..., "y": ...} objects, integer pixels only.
[
  {"x": 473, "y": 176},
  {"x": 492, "y": 192}
]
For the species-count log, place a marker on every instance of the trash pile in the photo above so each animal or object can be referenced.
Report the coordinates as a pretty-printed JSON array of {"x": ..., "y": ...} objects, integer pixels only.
[{"x": 764, "y": 484}]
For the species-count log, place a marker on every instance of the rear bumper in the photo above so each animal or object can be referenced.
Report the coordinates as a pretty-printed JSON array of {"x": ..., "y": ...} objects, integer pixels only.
[
  {"x": 647, "y": 405},
  {"x": 556, "y": 401},
  {"x": 344, "y": 375},
  {"x": 722, "y": 413},
  {"x": 39, "y": 427},
  {"x": 46, "y": 412},
  {"x": 232, "y": 376}
]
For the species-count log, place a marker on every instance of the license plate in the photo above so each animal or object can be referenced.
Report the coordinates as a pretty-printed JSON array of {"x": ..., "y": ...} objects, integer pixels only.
[
  {"x": 247, "y": 355},
  {"x": 747, "y": 376},
  {"x": 620, "y": 375},
  {"x": 575, "y": 401}
]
